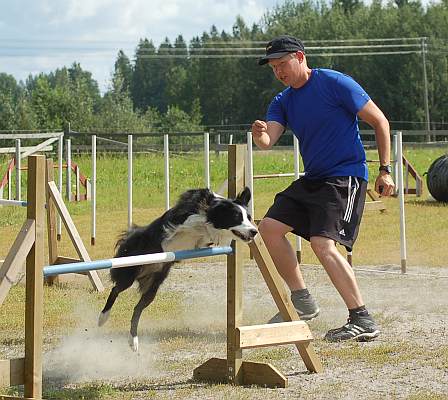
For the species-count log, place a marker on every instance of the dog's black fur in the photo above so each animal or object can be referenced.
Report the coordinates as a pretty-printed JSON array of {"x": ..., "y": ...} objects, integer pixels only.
[{"x": 199, "y": 219}]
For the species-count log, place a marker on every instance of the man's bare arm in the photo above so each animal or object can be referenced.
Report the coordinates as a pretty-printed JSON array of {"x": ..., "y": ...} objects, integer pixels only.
[{"x": 266, "y": 134}]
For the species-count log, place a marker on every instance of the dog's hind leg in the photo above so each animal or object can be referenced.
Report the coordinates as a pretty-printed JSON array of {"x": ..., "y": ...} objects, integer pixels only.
[
  {"x": 116, "y": 290},
  {"x": 147, "y": 298}
]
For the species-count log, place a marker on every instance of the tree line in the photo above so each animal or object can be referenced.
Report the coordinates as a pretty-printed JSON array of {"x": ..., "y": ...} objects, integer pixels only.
[{"x": 214, "y": 80}]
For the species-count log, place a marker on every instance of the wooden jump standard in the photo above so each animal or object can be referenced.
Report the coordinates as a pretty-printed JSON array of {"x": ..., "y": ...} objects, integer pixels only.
[
  {"x": 28, "y": 370},
  {"x": 13, "y": 264},
  {"x": 233, "y": 369}
]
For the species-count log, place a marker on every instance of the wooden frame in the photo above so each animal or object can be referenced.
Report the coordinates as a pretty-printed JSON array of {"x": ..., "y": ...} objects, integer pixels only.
[{"x": 233, "y": 369}]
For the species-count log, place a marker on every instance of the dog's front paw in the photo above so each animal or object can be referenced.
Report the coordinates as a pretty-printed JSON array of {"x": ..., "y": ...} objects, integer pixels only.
[
  {"x": 133, "y": 342},
  {"x": 103, "y": 317}
]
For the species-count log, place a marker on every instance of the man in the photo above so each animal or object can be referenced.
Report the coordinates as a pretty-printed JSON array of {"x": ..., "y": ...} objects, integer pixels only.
[{"x": 325, "y": 206}]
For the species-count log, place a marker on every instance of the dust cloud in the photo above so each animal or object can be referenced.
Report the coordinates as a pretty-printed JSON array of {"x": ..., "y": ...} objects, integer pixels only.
[{"x": 91, "y": 353}]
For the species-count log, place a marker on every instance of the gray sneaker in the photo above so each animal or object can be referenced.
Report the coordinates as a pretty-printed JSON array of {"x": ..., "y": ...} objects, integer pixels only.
[
  {"x": 306, "y": 307},
  {"x": 360, "y": 328}
]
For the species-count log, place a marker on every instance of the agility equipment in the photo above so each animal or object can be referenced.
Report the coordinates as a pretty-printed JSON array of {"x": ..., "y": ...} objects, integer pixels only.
[{"x": 232, "y": 369}]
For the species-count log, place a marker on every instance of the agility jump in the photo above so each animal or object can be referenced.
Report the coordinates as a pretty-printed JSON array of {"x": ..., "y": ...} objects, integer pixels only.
[{"x": 27, "y": 371}]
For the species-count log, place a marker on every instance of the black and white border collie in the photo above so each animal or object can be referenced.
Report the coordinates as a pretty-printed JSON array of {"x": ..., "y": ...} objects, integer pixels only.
[{"x": 200, "y": 218}]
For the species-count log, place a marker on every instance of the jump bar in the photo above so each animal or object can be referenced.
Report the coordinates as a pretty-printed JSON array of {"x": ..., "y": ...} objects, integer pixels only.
[
  {"x": 122, "y": 262},
  {"x": 4, "y": 202}
]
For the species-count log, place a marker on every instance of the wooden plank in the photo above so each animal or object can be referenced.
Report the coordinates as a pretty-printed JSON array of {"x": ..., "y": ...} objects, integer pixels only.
[
  {"x": 30, "y": 135},
  {"x": 254, "y": 373},
  {"x": 281, "y": 298},
  {"x": 66, "y": 260},
  {"x": 213, "y": 370},
  {"x": 281, "y": 175},
  {"x": 374, "y": 206},
  {"x": 39, "y": 147},
  {"x": 14, "y": 261},
  {"x": 12, "y": 372},
  {"x": 51, "y": 224},
  {"x": 73, "y": 233},
  {"x": 273, "y": 334},
  {"x": 235, "y": 273},
  {"x": 263, "y": 374},
  {"x": 3, "y": 397},
  {"x": 68, "y": 222},
  {"x": 372, "y": 194},
  {"x": 8, "y": 150},
  {"x": 34, "y": 279}
]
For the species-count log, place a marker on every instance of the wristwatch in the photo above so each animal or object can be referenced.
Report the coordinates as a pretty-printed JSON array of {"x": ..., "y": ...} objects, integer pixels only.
[{"x": 386, "y": 168}]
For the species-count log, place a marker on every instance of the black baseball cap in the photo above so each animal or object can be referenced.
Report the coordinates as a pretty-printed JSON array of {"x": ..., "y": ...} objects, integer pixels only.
[{"x": 281, "y": 46}]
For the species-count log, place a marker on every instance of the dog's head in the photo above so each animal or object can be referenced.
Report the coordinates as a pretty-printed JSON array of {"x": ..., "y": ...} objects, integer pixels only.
[{"x": 232, "y": 215}]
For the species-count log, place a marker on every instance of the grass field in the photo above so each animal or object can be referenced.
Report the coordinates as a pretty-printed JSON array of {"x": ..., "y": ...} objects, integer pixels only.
[
  {"x": 186, "y": 324},
  {"x": 378, "y": 242}
]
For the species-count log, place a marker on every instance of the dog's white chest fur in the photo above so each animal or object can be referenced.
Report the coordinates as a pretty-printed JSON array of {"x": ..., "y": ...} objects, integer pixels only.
[{"x": 195, "y": 233}]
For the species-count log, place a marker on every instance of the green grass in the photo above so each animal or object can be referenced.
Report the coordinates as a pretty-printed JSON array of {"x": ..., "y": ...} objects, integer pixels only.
[
  {"x": 377, "y": 353},
  {"x": 378, "y": 241}
]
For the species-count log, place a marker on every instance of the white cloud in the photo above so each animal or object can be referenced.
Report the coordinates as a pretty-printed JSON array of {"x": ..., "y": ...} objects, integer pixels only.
[{"x": 42, "y": 35}]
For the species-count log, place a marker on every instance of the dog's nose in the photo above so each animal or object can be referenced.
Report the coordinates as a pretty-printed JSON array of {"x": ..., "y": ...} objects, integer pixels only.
[{"x": 252, "y": 233}]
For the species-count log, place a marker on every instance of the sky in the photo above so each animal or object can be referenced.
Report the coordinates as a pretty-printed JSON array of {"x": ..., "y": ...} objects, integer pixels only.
[{"x": 43, "y": 35}]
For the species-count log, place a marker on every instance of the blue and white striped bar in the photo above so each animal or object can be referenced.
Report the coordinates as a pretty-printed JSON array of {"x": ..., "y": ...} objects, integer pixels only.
[
  {"x": 123, "y": 262},
  {"x": 16, "y": 203}
]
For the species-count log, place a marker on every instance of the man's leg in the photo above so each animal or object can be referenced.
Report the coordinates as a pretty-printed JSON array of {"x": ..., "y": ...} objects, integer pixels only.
[
  {"x": 360, "y": 325},
  {"x": 338, "y": 269},
  {"x": 273, "y": 233}
]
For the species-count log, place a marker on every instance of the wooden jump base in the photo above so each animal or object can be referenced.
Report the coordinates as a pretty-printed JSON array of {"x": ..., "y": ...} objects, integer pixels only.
[{"x": 27, "y": 371}]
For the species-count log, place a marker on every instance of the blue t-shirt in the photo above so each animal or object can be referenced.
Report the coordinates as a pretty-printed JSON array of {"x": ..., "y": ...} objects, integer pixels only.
[{"x": 323, "y": 116}]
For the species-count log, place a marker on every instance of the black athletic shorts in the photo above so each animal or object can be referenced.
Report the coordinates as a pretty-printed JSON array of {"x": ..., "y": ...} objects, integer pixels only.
[{"x": 330, "y": 207}]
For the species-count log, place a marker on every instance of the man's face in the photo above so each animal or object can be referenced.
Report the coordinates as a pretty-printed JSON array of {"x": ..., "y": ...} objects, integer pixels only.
[{"x": 286, "y": 68}]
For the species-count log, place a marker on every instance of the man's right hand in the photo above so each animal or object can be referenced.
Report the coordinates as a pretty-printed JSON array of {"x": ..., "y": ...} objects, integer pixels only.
[{"x": 259, "y": 128}]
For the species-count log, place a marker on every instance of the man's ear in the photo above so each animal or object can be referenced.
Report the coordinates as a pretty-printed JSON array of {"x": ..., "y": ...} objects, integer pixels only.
[{"x": 244, "y": 197}]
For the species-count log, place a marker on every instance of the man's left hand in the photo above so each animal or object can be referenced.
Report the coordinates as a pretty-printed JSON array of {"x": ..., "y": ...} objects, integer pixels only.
[{"x": 384, "y": 185}]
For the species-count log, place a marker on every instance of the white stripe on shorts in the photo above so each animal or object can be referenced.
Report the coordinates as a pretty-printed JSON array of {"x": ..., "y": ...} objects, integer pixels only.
[{"x": 351, "y": 198}]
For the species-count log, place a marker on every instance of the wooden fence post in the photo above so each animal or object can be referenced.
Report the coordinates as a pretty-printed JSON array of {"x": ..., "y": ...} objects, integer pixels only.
[{"x": 34, "y": 279}]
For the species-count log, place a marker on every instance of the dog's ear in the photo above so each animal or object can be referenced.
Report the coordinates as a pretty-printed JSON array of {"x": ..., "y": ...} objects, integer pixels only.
[{"x": 244, "y": 197}]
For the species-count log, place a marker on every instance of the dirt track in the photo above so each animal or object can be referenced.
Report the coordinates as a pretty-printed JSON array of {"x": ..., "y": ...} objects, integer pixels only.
[{"x": 408, "y": 361}]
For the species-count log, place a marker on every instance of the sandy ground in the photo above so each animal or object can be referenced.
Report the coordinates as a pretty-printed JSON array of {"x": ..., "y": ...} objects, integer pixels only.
[{"x": 408, "y": 361}]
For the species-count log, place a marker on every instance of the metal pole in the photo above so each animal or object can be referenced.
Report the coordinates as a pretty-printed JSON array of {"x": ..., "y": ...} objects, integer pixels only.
[
  {"x": 296, "y": 176},
  {"x": 250, "y": 174},
  {"x": 129, "y": 181},
  {"x": 9, "y": 184},
  {"x": 166, "y": 157},
  {"x": 401, "y": 200},
  {"x": 18, "y": 177},
  {"x": 78, "y": 193},
  {"x": 69, "y": 169},
  {"x": 14, "y": 203},
  {"x": 218, "y": 144},
  {"x": 395, "y": 160},
  {"x": 93, "y": 233},
  {"x": 60, "y": 161},
  {"x": 207, "y": 159},
  {"x": 425, "y": 86}
]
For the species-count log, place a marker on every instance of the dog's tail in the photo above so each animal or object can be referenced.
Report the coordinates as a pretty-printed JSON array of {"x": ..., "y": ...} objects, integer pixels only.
[{"x": 124, "y": 235}]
